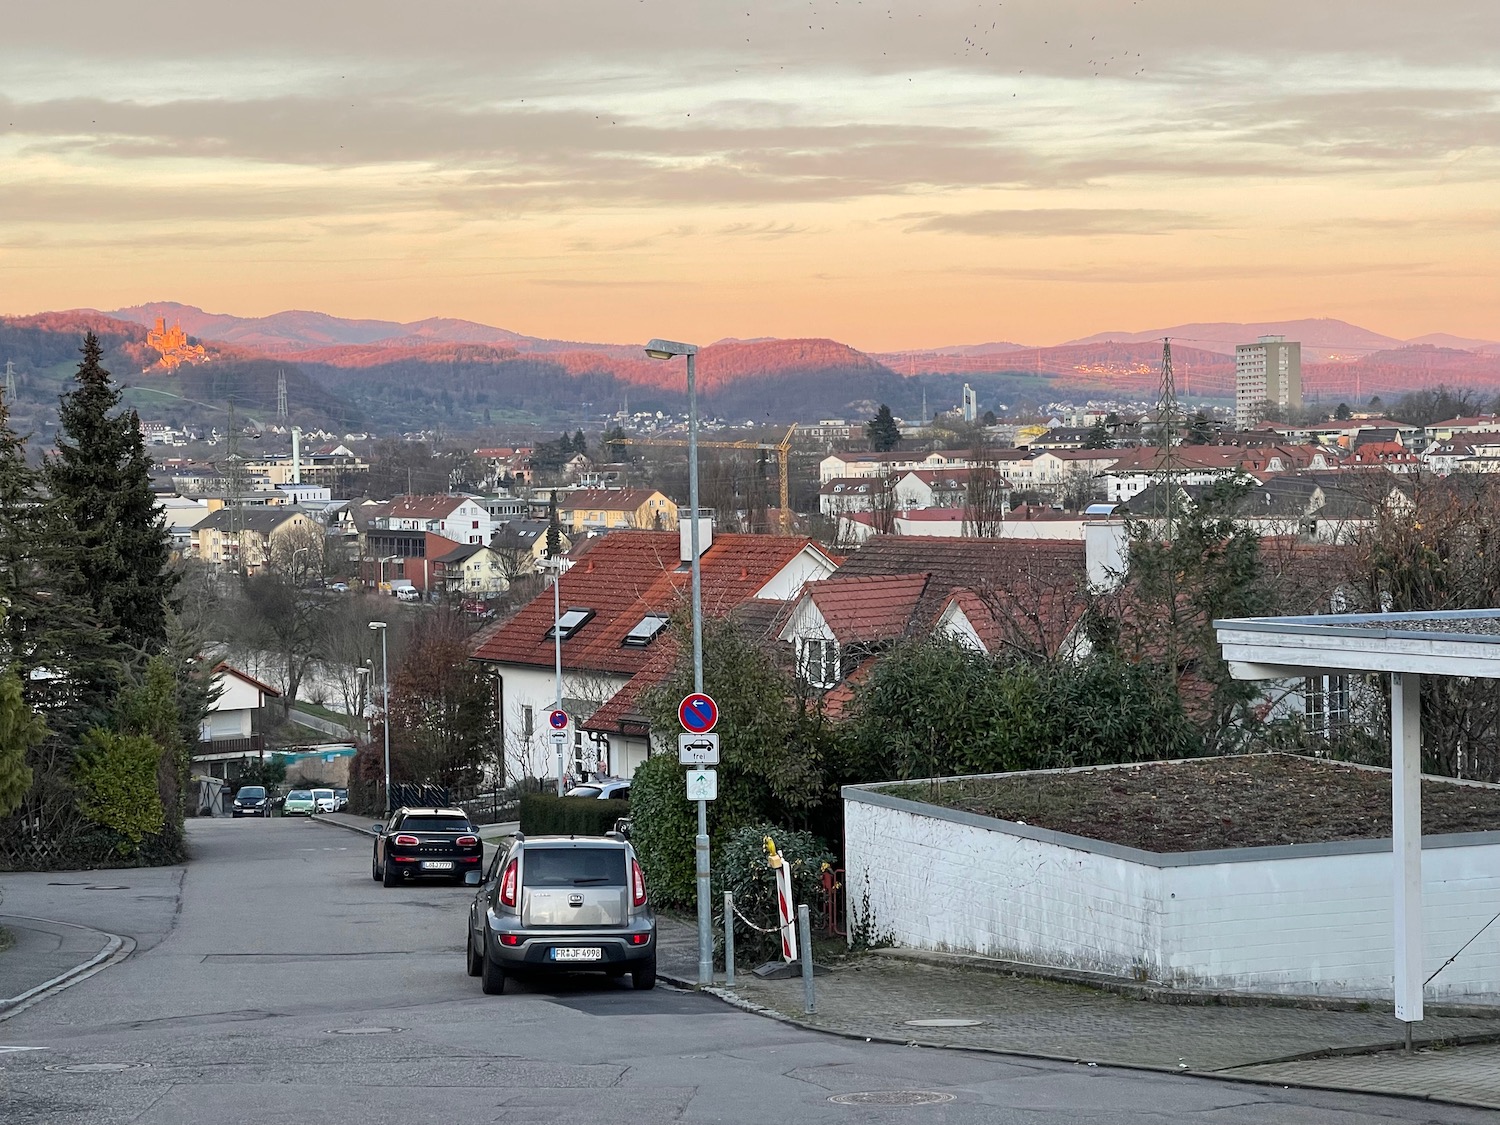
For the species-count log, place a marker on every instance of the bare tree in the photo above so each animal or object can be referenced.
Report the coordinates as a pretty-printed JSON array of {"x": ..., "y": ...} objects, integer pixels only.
[{"x": 985, "y": 498}]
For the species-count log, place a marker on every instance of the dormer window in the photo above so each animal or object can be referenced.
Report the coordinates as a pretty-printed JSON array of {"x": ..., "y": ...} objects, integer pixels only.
[
  {"x": 818, "y": 661},
  {"x": 569, "y": 623},
  {"x": 645, "y": 630}
]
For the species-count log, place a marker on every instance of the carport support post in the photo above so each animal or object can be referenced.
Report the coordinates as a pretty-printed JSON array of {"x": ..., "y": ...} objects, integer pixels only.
[{"x": 1406, "y": 842}]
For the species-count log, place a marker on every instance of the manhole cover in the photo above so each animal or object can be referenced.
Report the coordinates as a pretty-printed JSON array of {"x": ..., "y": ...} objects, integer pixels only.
[
  {"x": 365, "y": 1030},
  {"x": 892, "y": 1097},
  {"x": 941, "y": 1022},
  {"x": 94, "y": 1068}
]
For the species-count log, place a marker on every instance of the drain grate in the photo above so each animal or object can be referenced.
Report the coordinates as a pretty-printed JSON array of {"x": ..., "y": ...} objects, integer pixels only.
[
  {"x": 374, "y": 1030},
  {"x": 94, "y": 1068},
  {"x": 946, "y": 1021},
  {"x": 892, "y": 1097}
]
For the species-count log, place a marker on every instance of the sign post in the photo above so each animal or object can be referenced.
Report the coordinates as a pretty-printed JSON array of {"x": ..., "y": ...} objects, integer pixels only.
[{"x": 698, "y": 713}]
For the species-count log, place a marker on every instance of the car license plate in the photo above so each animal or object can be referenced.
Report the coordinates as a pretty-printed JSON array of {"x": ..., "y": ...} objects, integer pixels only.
[
  {"x": 437, "y": 865},
  {"x": 578, "y": 953}
]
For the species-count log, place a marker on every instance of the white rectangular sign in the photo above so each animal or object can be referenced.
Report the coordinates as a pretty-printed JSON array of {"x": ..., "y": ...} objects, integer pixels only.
[
  {"x": 698, "y": 749},
  {"x": 559, "y": 737},
  {"x": 703, "y": 785}
]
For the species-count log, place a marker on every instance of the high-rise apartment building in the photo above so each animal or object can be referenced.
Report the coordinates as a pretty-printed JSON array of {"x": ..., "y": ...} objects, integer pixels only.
[{"x": 1267, "y": 376}]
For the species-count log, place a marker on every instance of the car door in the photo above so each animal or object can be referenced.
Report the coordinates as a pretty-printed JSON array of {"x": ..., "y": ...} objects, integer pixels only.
[
  {"x": 485, "y": 895},
  {"x": 386, "y": 831}
]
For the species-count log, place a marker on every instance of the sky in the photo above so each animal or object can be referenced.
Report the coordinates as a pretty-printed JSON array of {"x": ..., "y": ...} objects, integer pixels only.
[{"x": 889, "y": 174}]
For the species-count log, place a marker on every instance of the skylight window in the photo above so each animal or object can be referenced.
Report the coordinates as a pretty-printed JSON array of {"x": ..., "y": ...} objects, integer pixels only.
[
  {"x": 645, "y": 630},
  {"x": 569, "y": 623}
]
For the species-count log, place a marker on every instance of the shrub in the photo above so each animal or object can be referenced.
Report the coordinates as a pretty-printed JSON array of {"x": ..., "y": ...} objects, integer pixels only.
[
  {"x": 543, "y": 815},
  {"x": 663, "y": 824},
  {"x": 116, "y": 776},
  {"x": 740, "y": 867}
]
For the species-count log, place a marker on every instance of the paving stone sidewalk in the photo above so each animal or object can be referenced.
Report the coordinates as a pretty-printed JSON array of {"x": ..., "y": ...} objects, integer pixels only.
[
  {"x": 877, "y": 996},
  {"x": 43, "y": 951}
]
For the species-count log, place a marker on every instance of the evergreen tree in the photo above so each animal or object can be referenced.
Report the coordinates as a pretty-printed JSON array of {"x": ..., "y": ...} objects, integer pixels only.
[
  {"x": 882, "y": 431},
  {"x": 554, "y": 529},
  {"x": 1200, "y": 430},
  {"x": 1098, "y": 437},
  {"x": 21, "y": 730},
  {"x": 21, "y": 543},
  {"x": 580, "y": 443},
  {"x": 112, "y": 536}
]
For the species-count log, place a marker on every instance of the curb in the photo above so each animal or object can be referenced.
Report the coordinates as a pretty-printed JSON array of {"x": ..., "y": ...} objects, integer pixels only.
[{"x": 116, "y": 948}]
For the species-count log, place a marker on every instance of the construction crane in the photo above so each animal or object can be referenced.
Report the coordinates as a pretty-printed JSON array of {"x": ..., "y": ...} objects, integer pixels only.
[{"x": 782, "y": 451}]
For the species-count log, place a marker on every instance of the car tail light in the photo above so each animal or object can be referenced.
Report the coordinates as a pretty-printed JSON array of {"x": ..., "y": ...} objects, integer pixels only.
[
  {"x": 510, "y": 939},
  {"x": 405, "y": 841},
  {"x": 637, "y": 885},
  {"x": 508, "y": 884},
  {"x": 467, "y": 841},
  {"x": 639, "y": 939}
]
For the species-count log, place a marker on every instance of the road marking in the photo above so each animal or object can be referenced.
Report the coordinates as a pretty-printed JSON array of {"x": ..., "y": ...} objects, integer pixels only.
[{"x": 4, "y": 1048}]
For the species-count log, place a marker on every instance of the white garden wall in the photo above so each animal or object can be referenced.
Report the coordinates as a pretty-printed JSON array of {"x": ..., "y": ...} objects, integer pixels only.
[{"x": 1301, "y": 919}]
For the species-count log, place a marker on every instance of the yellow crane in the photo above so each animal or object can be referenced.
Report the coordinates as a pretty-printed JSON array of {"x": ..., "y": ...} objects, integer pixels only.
[{"x": 781, "y": 449}]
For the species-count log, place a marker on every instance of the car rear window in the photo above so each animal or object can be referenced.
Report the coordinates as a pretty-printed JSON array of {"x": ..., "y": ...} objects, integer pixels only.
[
  {"x": 573, "y": 867},
  {"x": 583, "y": 791},
  {"x": 299, "y": 795},
  {"x": 435, "y": 824},
  {"x": 252, "y": 791}
]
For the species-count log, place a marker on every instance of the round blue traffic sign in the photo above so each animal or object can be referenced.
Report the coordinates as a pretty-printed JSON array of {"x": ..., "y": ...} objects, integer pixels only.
[
  {"x": 558, "y": 720},
  {"x": 698, "y": 713}
]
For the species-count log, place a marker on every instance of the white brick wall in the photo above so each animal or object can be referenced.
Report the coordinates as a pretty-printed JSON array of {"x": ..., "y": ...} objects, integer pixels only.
[{"x": 1274, "y": 920}]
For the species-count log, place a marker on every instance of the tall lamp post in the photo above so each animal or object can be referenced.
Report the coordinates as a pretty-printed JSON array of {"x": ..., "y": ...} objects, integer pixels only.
[
  {"x": 667, "y": 349},
  {"x": 555, "y": 565},
  {"x": 385, "y": 714}
]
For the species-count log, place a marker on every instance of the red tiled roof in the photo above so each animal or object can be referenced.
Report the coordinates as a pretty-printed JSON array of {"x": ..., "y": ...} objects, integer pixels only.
[
  {"x": 626, "y": 575},
  {"x": 608, "y": 499},
  {"x": 227, "y": 669},
  {"x": 980, "y": 616},
  {"x": 877, "y": 608},
  {"x": 424, "y": 507}
]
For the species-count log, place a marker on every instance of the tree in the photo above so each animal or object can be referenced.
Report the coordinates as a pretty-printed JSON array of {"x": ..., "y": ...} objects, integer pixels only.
[
  {"x": 1435, "y": 404},
  {"x": 1200, "y": 430},
  {"x": 29, "y": 619},
  {"x": 116, "y": 778},
  {"x": 442, "y": 707},
  {"x": 150, "y": 710},
  {"x": 268, "y": 772},
  {"x": 112, "y": 534},
  {"x": 882, "y": 430},
  {"x": 1099, "y": 437},
  {"x": 989, "y": 418},
  {"x": 287, "y": 622},
  {"x": 554, "y": 529},
  {"x": 21, "y": 731},
  {"x": 1343, "y": 413},
  {"x": 985, "y": 495},
  {"x": 580, "y": 443}
]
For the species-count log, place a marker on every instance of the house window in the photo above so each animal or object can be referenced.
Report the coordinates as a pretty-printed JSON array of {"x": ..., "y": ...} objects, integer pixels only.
[
  {"x": 528, "y": 721},
  {"x": 818, "y": 661},
  {"x": 1325, "y": 702},
  {"x": 569, "y": 623}
]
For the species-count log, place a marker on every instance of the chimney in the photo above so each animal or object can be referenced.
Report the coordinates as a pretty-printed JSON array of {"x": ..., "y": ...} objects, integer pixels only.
[
  {"x": 296, "y": 455},
  {"x": 685, "y": 532},
  {"x": 1106, "y": 553}
]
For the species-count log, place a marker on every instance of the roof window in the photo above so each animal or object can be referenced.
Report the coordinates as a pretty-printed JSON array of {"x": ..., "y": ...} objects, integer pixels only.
[
  {"x": 569, "y": 623},
  {"x": 645, "y": 630}
]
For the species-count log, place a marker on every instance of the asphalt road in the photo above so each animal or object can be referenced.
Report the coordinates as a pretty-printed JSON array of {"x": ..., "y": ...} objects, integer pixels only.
[{"x": 290, "y": 987}]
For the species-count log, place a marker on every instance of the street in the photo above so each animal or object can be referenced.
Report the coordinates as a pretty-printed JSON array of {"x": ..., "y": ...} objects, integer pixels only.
[{"x": 284, "y": 985}]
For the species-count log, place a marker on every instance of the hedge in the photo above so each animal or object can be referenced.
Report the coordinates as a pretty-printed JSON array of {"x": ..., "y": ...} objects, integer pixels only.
[{"x": 544, "y": 815}]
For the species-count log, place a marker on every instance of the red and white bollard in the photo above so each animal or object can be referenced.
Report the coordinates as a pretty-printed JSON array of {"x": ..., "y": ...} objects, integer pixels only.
[{"x": 786, "y": 909}]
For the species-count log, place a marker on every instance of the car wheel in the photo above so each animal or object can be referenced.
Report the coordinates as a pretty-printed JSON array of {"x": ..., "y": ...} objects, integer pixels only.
[
  {"x": 491, "y": 975},
  {"x": 389, "y": 875},
  {"x": 644, "y": 978},
  {"x": 374, "y": 870},
  {"x": 473, "y": 962}
]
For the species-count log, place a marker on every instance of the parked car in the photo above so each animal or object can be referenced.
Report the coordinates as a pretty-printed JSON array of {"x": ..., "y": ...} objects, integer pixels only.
[
  {"x": 605, "y": 789},
  {"x": 408, "y": 594},
  {"x": 559, "y": 904},
  {"x": 325, "y": 801},
  {"x": 251, "y": 800},
  {"x": 340, "y": 799},
  {"x": 299, "y": 802},
  {"x": 340, "y": 587},
  {"x": 428, "y": 843}
]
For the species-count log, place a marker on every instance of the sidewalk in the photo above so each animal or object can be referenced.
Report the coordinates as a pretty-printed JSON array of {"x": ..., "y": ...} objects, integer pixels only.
[
  {"x": 905, "y": 998},
  {"x": 45, "y": 955}
]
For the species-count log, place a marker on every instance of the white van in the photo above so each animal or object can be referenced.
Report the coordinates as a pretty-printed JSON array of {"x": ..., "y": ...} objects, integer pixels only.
[{"x": 408, "y": 594}]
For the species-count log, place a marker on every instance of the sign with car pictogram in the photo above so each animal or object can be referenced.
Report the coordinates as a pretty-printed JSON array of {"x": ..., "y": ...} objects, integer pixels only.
[{"x": 698, "y": 749}]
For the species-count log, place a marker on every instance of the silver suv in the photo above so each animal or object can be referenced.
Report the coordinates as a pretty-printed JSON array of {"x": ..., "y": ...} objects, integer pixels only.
[{"x": 562, "y": 904}]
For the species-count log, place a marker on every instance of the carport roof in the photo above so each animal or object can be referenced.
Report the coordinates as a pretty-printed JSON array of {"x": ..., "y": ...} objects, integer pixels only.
[{"x": 1451, "y": 643}]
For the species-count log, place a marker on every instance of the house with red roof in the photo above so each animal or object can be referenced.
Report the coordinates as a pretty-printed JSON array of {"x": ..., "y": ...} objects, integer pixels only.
[{"x": 615, "y": 605}]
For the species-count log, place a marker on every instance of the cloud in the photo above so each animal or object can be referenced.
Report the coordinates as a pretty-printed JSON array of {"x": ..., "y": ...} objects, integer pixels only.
[
  {"x": 1114, "y": 274},
  {"x": 768, "y": 230},
  {"x": 1050, "y": 222}
]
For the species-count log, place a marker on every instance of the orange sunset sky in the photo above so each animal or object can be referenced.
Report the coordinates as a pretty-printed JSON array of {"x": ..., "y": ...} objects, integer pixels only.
[{"x": 889, "y": 174}]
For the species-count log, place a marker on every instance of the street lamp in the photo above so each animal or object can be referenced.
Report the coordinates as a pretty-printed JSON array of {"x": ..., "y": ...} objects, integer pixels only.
[
  {"x": 666, "y": 349},
  {"x": 295, "y": 553},
  {"x": 556, "y": 566},
  {"x": 385, "y": 681}
]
